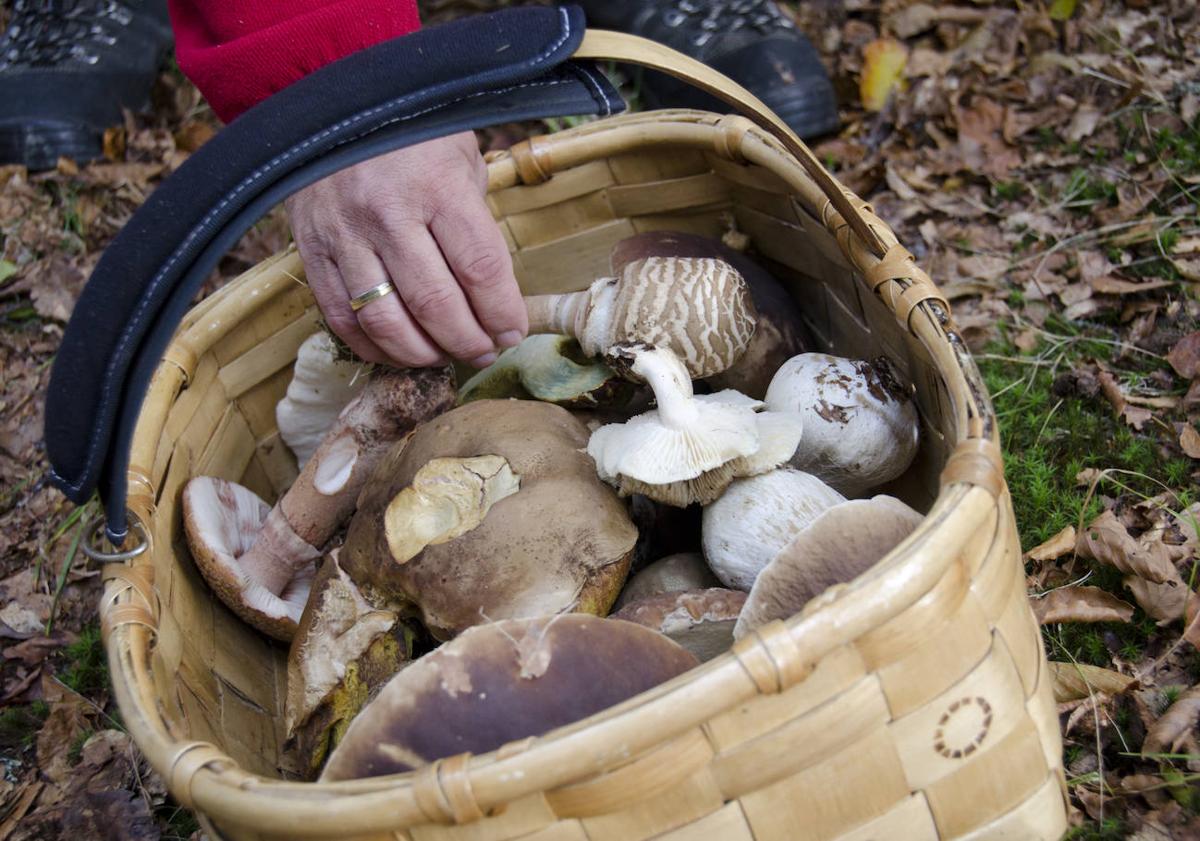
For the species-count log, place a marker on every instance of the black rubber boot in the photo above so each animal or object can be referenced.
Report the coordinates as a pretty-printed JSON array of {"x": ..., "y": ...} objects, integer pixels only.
[
  {"x": 751, "y": 41},
  {"x": 68, "y": 67}
]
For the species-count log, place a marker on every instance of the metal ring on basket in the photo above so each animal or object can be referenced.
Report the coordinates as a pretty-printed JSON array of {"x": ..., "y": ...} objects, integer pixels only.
[{"x": 93, "y": 534}]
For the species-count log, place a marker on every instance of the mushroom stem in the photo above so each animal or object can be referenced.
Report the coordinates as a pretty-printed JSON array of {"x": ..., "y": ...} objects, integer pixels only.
[
  {"x": 323, "y": 497},
  {"x": 561, "y": 314},
  {"x": 672, "y": 386}
]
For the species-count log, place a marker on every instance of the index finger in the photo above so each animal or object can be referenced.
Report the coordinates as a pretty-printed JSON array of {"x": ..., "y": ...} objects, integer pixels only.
[{"x": 477, "y": 254}]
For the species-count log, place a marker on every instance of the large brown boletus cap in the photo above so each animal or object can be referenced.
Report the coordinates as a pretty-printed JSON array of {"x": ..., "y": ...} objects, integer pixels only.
[
  {"x": 343, "y": 652},
  {"x": 839, "y": 545},
  {"x": 501, "y": 682},
  {"x": 780, "y": 332},
  {"x": 491, "y": 511},
  {"x": 699, "y": 620},
  {"x": 222, "y": 521}
]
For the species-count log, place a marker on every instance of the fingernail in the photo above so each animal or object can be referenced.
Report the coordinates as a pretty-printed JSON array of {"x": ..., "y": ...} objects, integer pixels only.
[
  {"x": 509, "y": 338},
  {"x": 483, "y": 361}
]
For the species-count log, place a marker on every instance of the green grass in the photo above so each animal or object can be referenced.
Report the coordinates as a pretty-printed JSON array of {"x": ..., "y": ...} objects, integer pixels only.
[
  {"x": 180, "y": 823},
  {"x": 85, "y": 670},
  {"x": 75, "y": 752},
  {"x": 19, "y": 725},
  {"x": 1110, "y": 829}
]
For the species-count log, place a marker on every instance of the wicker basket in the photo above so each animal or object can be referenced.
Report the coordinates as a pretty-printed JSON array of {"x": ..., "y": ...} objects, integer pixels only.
[{"x": 913, "y": 703}]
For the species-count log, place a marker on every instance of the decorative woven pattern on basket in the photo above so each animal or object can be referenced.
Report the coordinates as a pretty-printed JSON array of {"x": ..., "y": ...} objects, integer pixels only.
[{"x": 913, "y": 703}]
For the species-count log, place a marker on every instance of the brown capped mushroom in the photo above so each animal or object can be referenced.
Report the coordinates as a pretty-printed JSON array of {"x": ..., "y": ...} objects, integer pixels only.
[
  {"x": 755, "y": 518},
  {"x": 552, "y": 369},
  {"x": 700, "y": 620},
  {"x": 321, "y": 387},
  {"x": 672, "y": 574},
  {"x": 491, "y": 511},
  {"x": 860, "y": 424},
  {"x": 780, "y": 331},
  {"x": 343, "y": 651},
  {"x": 839, "y": 545},
  {"x": 501, "y": 682},
  {"x": 322, "y": 498},
  {"x": 692, "y": 446},
  {"x": 698, "y": 308}
]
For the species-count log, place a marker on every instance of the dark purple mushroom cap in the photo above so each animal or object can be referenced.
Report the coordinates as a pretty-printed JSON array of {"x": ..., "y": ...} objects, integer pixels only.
[{"x": 502, "y": 682}]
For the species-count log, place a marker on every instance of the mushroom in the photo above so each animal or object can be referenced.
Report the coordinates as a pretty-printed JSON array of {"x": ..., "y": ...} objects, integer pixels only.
[
  {"x": 321, "y": 387},
  {"x": 501, "y": 682},
  {"x": 701, "y": 621},
  {"x": 780, "y": 331},
  {"x": 755, "y": 518},
  {"x": 343, "y": 651},
  {"x": 491, "y": 511},
  {"x": 842, "y": 543},
  {"x": 323, "y": 497},
  {"x": 692, "y": 446},
  {"x": 223, "y": 520},
  {"x": 860, "y": 424},
  {"x": 698, "y": 308},
  {"x": 549, "y": 368},
  {"x": 672, "y": 574}
]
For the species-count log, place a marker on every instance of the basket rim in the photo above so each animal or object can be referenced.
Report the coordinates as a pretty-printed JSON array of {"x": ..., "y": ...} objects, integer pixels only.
[{"x": 773, "y": 659}]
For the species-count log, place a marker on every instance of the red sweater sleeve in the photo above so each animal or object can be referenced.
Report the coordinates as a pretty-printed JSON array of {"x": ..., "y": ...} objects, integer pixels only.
[{"x": 239, "y": 52}]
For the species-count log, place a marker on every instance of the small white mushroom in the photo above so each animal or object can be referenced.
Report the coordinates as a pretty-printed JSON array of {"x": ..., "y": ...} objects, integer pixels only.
[
  {"x": 692, "y": 446},
  {"x": 755, "y": 518},
  {"x": 321, "y": 387},
  {"x": 839, "y": 545},
  {"x": 701, "y": 621},
  {"x": 860, "y": 425},
  {"x": 699, "y": 308},
  {"x": 680, "y": 452}
]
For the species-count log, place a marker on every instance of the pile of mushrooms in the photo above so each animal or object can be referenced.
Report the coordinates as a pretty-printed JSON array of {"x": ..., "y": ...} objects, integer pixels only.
[{"x": 443, "y": 563}]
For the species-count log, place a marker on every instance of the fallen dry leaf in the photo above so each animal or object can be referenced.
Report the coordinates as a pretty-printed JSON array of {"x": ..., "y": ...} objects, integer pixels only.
[
  {"x": 1162, "y": 602},
  {"x": 1189, "y": 441},
  {"x": 1135, "y": 416},
  {"x": 1055, "y": 547},
  {"x": 883, "y": 72},
  {"x": 1080, "y": 604},
  {"x": 981, "y": 141},
  {"x": 1107, "y": 541},
  {"x": 1073, "y": 681},
  {"x": 1174, "y": 725},
  {"x": 1185, "y": 356}
]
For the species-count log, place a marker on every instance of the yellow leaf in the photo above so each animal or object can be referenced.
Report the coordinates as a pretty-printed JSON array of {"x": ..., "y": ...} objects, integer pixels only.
[
  {"x": 883, "y": 71},
  {"x": 1062, "y": 9}
]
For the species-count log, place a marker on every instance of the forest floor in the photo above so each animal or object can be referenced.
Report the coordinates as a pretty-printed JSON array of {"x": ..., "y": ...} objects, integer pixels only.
[{"x": 1041, "y": 159}]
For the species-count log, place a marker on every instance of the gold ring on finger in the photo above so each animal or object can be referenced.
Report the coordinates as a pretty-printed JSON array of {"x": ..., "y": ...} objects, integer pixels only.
[{"x": 382, "y": 289}]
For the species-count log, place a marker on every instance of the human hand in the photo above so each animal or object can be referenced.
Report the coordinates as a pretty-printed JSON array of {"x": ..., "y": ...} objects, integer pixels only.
[{"x": 415, "y": 217}]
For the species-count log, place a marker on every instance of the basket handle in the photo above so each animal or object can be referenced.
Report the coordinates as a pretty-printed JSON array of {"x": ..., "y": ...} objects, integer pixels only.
[{"x": 604, "y": 45}]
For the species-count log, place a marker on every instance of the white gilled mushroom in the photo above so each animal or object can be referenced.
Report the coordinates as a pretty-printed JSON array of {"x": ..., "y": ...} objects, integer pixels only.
[
  {"x": 702, "y": 621},
  {"x": 223, "y": 520},
  {"x": 838, "y": 546},
  {"x": 343, "y": 651},
  {"x": 698, "y": 308},
  {"x": 755, "y": 518},
  {"x": 322, "y": 498},
  {"x": 552, "y": 369},
  {"x": 860, "y": 425},
  {"x": 321, "y": 387},
  {"x": 491, "y": 511},
  {"x": 692, "y": 446},
  {"x": 672, "y": 574},
  {"x": 780, "y": 331},
  {"x": 502, "y": 682}
]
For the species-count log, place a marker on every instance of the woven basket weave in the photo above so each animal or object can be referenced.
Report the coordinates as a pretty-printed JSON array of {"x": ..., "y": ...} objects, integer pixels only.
[{"x": 913, "y": 703}]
